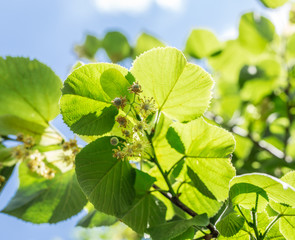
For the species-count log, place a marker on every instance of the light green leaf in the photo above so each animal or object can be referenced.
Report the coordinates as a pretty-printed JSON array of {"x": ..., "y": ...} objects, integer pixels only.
[
  {"x": 197, "y": 201},
  {"x": 86, "y": 108},
  {"x": 114, "y": 83},
  {"x": 175, "y": 84},
  {"x": 146, "y": 42},
  {"x": 258, "y": 81},
  {"x": 273, "y": 3},
  {"x": 287, "y": 221},
  {"x": 106, "y": 181},
  {"x": 29, "y": 91},
  {"x": 208, "y": 150},
  {"x": 173, "y": 229},
  {"x": 255, "y": 32},
  {"x": 291, "y": 45},
  {"x": 96, "y": 219},
  {"x": 89, "y": 48},
  {"x": 275, "y": 189},
  {"x": 116, "y": 45},
  {"x": 202, "y": 43},
  {"x": 39, "y": 200}
]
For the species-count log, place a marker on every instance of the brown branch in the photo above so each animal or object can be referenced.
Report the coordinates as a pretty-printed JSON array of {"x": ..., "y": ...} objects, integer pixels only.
[{"x": 174, "y": 199}]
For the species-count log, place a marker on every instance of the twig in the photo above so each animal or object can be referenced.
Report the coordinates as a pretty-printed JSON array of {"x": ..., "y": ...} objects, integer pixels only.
[{"x": 181, "y": 205}]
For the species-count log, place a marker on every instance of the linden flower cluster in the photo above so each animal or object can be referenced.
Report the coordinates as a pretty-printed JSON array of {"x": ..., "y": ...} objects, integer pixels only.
[
  {"x": 36, "y": 164},
  {"x": 35, "y": 159},
  {"x": 70, "y": 149},
  {"x": 133, "y": 130}
]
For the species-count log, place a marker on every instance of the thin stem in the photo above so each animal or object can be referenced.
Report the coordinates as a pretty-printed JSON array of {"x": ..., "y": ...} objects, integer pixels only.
[
  {"x": 270, "y": 225},
  {"x": 254, "y": 217},
  {"x": 155, "y": 160},
  {"x": 174, "y": 165},
  {"x": 243, "y": 215}
]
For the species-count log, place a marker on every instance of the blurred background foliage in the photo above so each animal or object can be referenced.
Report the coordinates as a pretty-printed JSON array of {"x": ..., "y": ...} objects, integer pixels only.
[
  {"x": 253, "y": 98},
  {"x": 254, "y": 91}
]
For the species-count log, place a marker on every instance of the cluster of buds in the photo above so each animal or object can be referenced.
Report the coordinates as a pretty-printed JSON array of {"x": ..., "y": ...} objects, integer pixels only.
[
  {"x": 20, "y": 152},
  {"x": 36, "y": 164},
  {"x": 133, "y": 130},
  {"x": 70, "y": 149},
  {"x": 28, "y": 141}
]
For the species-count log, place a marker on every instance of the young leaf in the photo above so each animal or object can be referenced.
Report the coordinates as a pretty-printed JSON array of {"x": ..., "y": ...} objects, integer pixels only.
[
  {"x": 165, "y": 75},
  {"x": 287, "y": 221},
  {"x": 255, "y": 32},
  {"x": 54, "y": 200},
  {"x": 275, "y": 189},
  {"x": 106, "y": 181},
  {"x": 85, "y": 107},
  {"x": 202, "y": 43},
  {"x": 273, "y": 3},
  {"x": 173, "y": 229},
  {"x": 116, "y": 45},
  {"x": 146, "y": 42},
  {"x": 29, "y": 91}
]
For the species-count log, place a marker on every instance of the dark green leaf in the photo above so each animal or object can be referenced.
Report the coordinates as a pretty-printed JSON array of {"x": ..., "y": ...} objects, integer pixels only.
[
  {"x": 173, "y": 229},
  {"x": 106, "y": 181},
  {"x": 39, "y": 200},
  {"x": 174, "y": 140}
]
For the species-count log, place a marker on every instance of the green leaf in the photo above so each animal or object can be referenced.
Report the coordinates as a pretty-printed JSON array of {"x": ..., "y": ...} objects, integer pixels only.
[
  {"x": 106, "y": 181},
  {"x": 146, "y": 42},
  {"x": 291, "y": 45},
  {"x": 273, "y": 3},
  {"x": 114, "y": 83},
  {"x": 85, "y": 107},
  {"x": 197, "y": 183},
  {"x": 173, "y": 229},
  {"x": 89, "y": 48},
  {"x": 175, "y": 84},
  {"x": 29, "y": 91},
  {"x": 287, "y": 221},
  {"x": 12, "y": 125},
  {"x": 258, "y": 81},
  {"x": 255, "y": 32},
  {"x": 208, "y": 150},
  {"x": 202, "y": 43},
  {"x": 146, "y": 210},
  {"x": 96, "y": 219},
  {"x": 116, "y": 45},
  {"x": 245, "y": 193},
  {"x": 39, "y": 200},
  {"x": 6, "y": 173},
  {"x": 194, "y": 199},
  {"x": 230, "y": 225},
  {"x": 275, "y": 189},
  {"x": 174, "y": 140}
]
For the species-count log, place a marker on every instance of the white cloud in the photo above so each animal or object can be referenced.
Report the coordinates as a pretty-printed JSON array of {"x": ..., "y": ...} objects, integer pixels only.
[
  {"x": 136, "y": 6},
  {"x": 174, "y": 5},
  {"x": 230, "y": 33},
  {"x": 116, "y": 6}
]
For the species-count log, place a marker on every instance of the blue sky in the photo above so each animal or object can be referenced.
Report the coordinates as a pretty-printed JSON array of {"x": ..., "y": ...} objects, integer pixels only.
[{"x": 48, "y": 30}]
